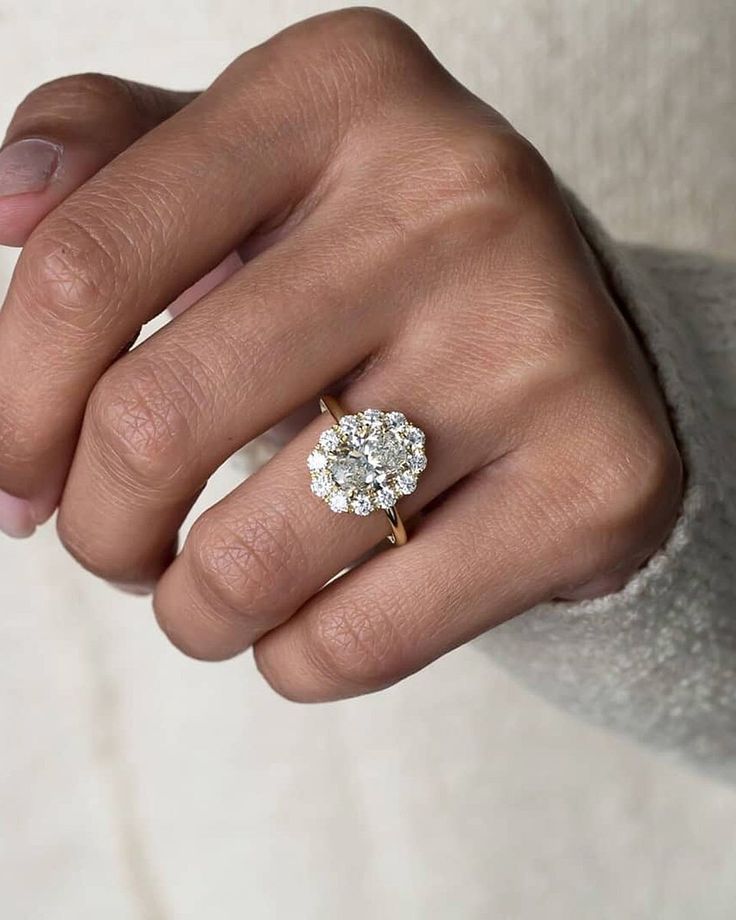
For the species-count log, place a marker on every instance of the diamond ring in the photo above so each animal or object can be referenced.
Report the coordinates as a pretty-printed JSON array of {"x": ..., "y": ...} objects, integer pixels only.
[{"x": 366, "y": 461}]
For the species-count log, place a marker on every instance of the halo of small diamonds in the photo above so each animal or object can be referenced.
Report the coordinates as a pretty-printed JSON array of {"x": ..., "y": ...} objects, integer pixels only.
[{"x": 367, "y": 461}]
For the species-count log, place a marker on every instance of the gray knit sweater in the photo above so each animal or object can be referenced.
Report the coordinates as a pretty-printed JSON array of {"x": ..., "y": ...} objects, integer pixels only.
[{"x": 658, "y": 660}]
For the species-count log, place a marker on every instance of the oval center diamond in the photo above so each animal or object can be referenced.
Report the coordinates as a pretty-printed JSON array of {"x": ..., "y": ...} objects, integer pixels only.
[
  {"x": 367, "y": 461},
  {"x": 370, "y": 460}
]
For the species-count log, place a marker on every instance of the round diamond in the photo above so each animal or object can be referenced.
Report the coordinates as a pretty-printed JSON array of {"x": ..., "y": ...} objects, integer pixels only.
[
  {"x": 321, "y": 483},
  {"x": 362, "y": 505},
  {"x": 372, "y": 415},
  {"x": 338, "y": 502},
  {"x": 418, "y": 462},
  {"x": 329, "y": 439},
  {"x": 350, "y": 423},
  {"x": 414, "y": 435},
  {"x": 316, "y": 461},
  {"x": 406, "y": 483},
  {"x": 396, "y": 419}
]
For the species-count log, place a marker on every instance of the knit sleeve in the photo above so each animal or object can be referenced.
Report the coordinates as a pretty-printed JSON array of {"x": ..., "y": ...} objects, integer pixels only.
[{"x": 657, "y": 660}]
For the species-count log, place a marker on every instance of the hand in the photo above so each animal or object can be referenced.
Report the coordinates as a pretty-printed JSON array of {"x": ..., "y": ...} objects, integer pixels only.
[{"x": 403, "y": 245}]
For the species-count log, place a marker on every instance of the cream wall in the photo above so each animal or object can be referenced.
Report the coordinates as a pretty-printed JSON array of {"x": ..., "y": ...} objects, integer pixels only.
[{"x": 137, "y": 785}]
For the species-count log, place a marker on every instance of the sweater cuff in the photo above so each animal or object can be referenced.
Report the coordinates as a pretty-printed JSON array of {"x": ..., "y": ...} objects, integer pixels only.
[
  {"x": 658, "y": 659},
  {"x": 638, "y": 280}
]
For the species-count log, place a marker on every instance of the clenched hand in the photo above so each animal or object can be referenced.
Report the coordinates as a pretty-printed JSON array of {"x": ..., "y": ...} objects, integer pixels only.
[{"x": 402, "y": 246}]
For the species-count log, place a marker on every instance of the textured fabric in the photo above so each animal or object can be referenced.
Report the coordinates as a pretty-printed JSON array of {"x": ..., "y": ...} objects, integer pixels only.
[
  {"x": 658, "y": 659},
  {"x": 138, "y": 785}
]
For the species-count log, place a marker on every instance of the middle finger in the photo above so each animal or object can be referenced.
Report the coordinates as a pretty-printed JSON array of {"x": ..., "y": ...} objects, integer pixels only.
[
  {"x": 167, "y": 415},
  {"x": 251, "y": 561},
  {"x": 131, "y": 239}
]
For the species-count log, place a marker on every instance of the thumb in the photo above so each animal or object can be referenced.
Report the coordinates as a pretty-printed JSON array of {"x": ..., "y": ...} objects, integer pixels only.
[{"x": 63, "y": 133}]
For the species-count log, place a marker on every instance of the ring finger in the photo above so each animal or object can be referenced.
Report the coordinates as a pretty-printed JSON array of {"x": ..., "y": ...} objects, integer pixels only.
[
  {"x": 113, "y": 255},
  {"x": 251, "y": 561},
  {"x": 480, "y": 558}
]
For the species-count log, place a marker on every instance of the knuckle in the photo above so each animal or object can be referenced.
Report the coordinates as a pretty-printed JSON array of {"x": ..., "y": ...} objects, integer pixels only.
[
  {"x": 362, "y": 28},
  {"x": 488, "y": 176},
  {"x": 70, "y": 270},
  {"x": 138, "y": 429},
  {"x": 239, "y": 566},
  {"x": 565, "y": 363},
  {"x": 510, "y": 168},
  {"x": 366, "y": 25},
  {"x": 637, "y": 488},
  {"x": 357, "y": 647},
  {"x": 364, "y": 50}
]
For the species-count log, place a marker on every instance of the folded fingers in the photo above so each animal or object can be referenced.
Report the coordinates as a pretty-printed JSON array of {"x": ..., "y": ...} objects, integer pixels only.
[
  {"x": 280, "y": 331},
  {"x": 516, "y": 533},
  {"x": 251, "y": 561},
  {"x": 478, "y": 559},
  {"x": 136, "y": 235},
  {"x": 62, "y": 134}
]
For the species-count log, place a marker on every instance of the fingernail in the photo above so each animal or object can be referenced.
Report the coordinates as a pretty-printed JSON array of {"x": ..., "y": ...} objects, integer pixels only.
[
  {"x": 28, "y": 165},
  {"x": 16, "y": 516}
]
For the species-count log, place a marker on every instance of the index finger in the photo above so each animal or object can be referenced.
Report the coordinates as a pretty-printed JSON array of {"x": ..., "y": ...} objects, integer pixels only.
[{"x": 141, "y": 231}]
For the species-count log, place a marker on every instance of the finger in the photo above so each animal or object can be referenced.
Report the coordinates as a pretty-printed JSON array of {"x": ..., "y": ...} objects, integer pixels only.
[
  {"x": 126, "y": 244},
  {"x": 290, "y": 324},
  {"x": 553, "y": 513},
  {"x": 166, "y": 416},
  {"x": 253, "y": 560},
  {"x": 484, "y": 555},
  {"x": 63, "y": 133},
  {"x": 334, "y": 294}
]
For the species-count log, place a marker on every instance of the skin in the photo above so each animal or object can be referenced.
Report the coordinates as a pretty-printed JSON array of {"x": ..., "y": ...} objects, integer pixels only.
[{"x": 403, "y": 246}]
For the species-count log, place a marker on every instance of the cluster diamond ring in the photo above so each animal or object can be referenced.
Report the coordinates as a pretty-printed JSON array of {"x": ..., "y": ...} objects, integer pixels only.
[{"x": 366, "y": 461}]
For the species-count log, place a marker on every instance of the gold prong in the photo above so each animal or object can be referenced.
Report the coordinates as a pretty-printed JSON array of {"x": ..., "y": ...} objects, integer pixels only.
[{"x": 332, "y": 405}]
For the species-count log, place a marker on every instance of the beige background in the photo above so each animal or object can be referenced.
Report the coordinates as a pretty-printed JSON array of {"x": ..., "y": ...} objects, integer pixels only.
[{"x": 136, "y": 784}]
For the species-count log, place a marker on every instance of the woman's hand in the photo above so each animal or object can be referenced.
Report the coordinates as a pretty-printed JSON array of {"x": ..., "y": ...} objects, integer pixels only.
[{"x": 401, "y": 241}]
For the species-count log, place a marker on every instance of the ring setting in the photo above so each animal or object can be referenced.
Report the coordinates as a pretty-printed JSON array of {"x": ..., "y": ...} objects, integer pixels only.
[{"x": 366, "y": 461}]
